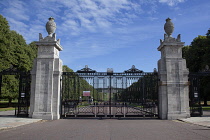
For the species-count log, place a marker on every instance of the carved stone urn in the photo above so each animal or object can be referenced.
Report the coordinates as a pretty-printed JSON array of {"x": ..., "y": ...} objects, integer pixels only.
[
  {"x": 169, "y": 27},
  {"x": 50, "y": 26}
]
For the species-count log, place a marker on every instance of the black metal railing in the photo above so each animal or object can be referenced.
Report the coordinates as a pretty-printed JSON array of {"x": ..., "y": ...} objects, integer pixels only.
[
  {"x": 195, "y": 91},
  {"x": 24, "y": 80},
  {"x": 132, "y": 93}
]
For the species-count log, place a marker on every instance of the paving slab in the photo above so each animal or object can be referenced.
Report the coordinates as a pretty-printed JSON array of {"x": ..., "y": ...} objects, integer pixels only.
[
  {"x": 202, "y": 121},
  {"x": 11, "y": 122},
  {"x": 7, "y": 113}
]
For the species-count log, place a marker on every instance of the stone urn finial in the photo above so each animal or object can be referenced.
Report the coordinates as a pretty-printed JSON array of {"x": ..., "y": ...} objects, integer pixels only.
[
  {"x": 50, "y": 26},
  {"x": 169, "y": 27}
]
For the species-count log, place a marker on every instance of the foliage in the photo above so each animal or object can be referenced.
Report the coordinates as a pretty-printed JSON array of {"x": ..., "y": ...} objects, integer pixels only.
[
  {"x": 73, "y": 86},
  {"x": 4, "y": 44},
  {"x": 7, "y": 109},
  {"x": 197, "y": 54},
  {"x": 14, "y": 50},
  {"x": 15, "y": 54},
  {"x": 197, "y": 57},
  {"x": 9, "y": 87},
  {"x": 142, "y": 91},
  {"x": 67, "y": 69}
]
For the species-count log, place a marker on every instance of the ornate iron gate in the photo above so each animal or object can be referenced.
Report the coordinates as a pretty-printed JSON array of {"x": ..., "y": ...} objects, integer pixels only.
[
  {"x": 195, "y": 89},
  {"x": 24, "y": 80},
  {"x": 194, "y": 93},
  {"x": 87, "y": 93}
]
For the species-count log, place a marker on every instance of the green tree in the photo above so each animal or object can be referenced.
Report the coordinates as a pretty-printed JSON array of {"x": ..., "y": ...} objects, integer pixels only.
[
  {"x": 5, "y": 53},
  {"x": 13, "y": 49},
  {"x": 31, "y": 52},
  {"x": 67, "y": 69},
  {"x": 197, "y": 57},
  {"x": 73, "y": 86},
  {"x": 15, "y": 54},
  {"x": 144, "y": 90},
  {"x": 10, "y": 88},
  {"x": 196, "y": 54}
]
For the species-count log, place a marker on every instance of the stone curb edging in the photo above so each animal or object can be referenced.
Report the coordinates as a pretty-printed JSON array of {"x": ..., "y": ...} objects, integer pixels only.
[{"x": 201, "y": 121}]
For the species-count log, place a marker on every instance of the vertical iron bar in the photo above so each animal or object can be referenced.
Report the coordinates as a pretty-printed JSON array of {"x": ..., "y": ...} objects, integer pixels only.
[
  {"x": 93, "y": 90},
  {"x": 110, "y": 95},
  {"x": 68, "y": 86},
  {"x": 19, "y": 97},
  {"x": 0, "y": 83},
  {"x": 199, "y": 101},
  {"x": 61, "y": 93}
]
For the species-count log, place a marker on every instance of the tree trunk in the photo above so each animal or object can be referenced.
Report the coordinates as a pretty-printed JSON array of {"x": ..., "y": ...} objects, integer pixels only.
[
  {"x": 10, "y": 102},
  {"x": 205, "y": 101}
]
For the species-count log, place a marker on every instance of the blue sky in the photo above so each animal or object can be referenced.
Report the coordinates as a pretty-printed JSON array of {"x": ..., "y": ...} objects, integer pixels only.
[{"x": 108, "y": 33}]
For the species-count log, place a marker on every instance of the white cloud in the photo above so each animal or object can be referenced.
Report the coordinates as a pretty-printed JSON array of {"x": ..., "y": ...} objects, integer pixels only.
[
  {"x": 74, "y": 18},
  {"x": 19, "y": 26},
  {"x": 94, "y": 14},
  {"x": 171, "y": 2},
  {"x": 16, "y": 9}
]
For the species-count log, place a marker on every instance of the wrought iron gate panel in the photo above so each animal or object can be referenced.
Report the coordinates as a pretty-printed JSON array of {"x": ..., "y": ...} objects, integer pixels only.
[
  {"x": 102, "y": 94},
  {"x": 195, "y": 91},
  {"x": 24, "y": 79},
  {"x": 24, "y": 94}
]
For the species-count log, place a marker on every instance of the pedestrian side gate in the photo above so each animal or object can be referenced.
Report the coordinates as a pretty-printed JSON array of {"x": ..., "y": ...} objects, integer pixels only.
[
  {"x": 12, "y": 77},
  {"x": 87, "y": 93},
  {"x": 198, "y": 83}
]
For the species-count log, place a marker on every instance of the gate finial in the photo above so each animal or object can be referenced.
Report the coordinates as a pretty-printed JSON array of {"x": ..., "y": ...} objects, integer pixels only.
[
  {"x": 51, "y": 26},
  {"x": 86, "y": 70},
  {"x": 169, "y": 27},
  {"x": 133, "y": 69}
]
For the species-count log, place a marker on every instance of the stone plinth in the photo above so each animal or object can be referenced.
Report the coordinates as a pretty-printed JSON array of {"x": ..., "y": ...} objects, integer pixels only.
[
  {"x": 45, "y": 86},
  {"x": 173, "y": 84}
]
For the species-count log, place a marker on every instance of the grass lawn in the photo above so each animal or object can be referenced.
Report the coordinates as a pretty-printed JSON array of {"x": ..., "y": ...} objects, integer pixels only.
[
  {"x": 5, "y": 101},
  {"x": 7, "y": 109},
  {"x": 5, "y": 106},
  {"x": 206, "y": 108}
]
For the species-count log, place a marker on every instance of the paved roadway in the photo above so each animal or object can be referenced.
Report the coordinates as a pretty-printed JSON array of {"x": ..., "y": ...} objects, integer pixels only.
[{"x": 107, "y": 129}]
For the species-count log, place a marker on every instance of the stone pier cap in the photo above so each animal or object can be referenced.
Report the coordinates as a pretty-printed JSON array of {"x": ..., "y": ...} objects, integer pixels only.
[{"x": 49, "y": 40}]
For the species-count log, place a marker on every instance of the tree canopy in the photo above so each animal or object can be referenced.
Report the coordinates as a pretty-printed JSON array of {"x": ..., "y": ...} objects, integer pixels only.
[
  {"x": 4, "y": 44},
  {"x": 197, "y": 57},
  {"x": 197, "y": 54},
  {"x": 14, "y": 50},
  {"x": 15, "y": 54}
]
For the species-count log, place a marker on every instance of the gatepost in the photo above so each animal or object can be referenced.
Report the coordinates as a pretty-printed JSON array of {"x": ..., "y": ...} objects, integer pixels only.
[
  {"x": 173, "y": 76},
  {"x": 46, "y": 74}
]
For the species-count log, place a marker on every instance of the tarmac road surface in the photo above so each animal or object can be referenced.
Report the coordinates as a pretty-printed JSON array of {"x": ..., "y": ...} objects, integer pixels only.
[{"x": 107, "y": 129}]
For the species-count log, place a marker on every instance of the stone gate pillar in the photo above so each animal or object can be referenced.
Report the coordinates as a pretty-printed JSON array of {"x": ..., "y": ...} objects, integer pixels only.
[
  {"x": 173, "y": 76},
  {"x": 46, "y": 73}
]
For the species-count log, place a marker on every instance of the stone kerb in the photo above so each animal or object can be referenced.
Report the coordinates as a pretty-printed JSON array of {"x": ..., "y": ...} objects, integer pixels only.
[{"x": 173, "y": 76}]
